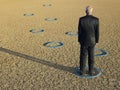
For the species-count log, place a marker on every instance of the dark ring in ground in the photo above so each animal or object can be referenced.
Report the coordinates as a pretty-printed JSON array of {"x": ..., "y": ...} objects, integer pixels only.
[
  {"x": 51, "y": 19},
  {"x": 46, "y": 5},
  {"x": 103, "y": 52},
  {"x": 50, "y": 43},
  {"x": 98, "y": 72},
  {"x": 29, "y": 14},
  {"x": 71, "y": 34},
  {"x": 37, "y": 31}
]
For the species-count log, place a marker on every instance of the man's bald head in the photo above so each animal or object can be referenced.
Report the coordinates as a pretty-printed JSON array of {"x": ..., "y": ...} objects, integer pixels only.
[{"x": 89, "y": 10}]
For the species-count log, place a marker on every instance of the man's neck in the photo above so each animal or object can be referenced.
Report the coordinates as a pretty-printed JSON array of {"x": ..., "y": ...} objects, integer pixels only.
[{"x": 89, "y": 14}]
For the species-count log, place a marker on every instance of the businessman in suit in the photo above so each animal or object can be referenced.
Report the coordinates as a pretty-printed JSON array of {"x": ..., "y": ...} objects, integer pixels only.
[{"x": 88, "y": 36}]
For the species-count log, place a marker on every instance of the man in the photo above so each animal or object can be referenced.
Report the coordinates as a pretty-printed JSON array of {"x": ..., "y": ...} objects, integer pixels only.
[{"x": 88, "y": 36}]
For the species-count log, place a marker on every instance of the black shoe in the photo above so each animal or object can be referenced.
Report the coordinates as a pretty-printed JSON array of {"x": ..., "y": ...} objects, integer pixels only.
[
  {"x": 91, "y": 73},
  {"x": 81, "y": 73}
]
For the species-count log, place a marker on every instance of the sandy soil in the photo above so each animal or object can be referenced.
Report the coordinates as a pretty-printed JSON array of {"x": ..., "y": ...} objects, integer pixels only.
[{"x": 25, "y": 64}]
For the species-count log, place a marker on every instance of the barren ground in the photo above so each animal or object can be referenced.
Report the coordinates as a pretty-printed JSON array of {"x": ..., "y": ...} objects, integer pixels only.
[{"x": 25, "y": 64}]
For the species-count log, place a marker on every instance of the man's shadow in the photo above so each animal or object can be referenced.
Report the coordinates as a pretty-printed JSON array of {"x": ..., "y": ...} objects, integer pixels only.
[{"x": 48, "y": 63}]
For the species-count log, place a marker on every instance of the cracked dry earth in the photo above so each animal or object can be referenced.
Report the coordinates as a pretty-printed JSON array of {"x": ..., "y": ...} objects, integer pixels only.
[{"x": 25, "y": 64}]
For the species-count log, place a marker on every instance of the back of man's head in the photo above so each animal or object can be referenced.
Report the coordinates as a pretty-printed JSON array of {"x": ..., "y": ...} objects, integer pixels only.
[{"x": 89, "y": 10}]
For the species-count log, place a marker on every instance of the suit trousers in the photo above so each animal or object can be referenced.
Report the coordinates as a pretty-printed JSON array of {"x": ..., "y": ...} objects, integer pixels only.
[{"x": 84, "y": 52}]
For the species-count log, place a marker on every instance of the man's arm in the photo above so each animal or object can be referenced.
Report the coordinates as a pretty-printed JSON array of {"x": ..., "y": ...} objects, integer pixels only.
[
  {"x": 97, "y": 31},
  {"x": 79, "y": 30}
]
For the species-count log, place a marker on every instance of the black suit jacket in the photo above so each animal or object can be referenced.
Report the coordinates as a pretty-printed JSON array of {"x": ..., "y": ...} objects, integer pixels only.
[{"x": 88, "y": 30}]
